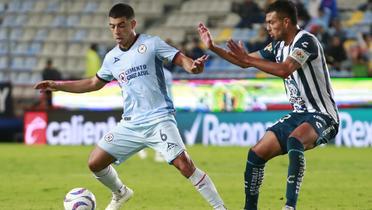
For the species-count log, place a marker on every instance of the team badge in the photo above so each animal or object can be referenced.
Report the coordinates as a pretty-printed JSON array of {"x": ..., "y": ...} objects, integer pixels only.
[
  {"x": 109, "y": 137},
  {"x": 142, "y": 48}
]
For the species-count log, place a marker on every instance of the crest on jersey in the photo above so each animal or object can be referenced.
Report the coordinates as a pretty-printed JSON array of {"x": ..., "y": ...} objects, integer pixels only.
[
  {"x": 142, "y": 48},
  {"x": 108, "y": 137}
]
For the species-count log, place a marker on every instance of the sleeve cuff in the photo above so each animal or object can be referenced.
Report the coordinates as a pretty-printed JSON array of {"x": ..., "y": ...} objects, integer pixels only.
[
  {"x": 103, "y": 80},
  {"x": 174, "y": 57}
]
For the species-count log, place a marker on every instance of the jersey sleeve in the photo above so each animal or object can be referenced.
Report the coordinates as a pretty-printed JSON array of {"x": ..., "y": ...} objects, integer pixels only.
[
  {"x": 104, "y": 72},
  {"x": 304, "y": 49},
  {"x": 268, "y": 53},
  {"x": 164, "y": 51}
]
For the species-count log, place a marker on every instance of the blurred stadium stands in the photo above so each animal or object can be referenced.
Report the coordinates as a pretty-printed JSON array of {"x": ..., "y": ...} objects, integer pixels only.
[{"x": 32, "y": 31}]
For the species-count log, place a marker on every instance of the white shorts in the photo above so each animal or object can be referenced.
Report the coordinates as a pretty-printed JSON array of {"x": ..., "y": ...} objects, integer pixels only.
[{"x": 125, "y": 140}]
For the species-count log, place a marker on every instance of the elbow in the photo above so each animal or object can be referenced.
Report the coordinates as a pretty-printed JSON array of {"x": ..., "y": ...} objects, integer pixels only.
[{"x": 283, "y": 73}]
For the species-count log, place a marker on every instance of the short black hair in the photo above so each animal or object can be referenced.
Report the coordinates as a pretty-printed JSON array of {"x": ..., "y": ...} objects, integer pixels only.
[
  {"x": 284, "y": 8},
  {"x": 121, "y": 10}
]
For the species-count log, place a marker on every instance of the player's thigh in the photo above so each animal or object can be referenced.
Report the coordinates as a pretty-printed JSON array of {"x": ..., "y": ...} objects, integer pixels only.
[
  {"x": 306, "y": 134},
  {"x": 315, "y": 129},
  {"x": 268, "y": 146},
  {"x": 166, "y": 139},
  {"x": 122, "y": 142}
]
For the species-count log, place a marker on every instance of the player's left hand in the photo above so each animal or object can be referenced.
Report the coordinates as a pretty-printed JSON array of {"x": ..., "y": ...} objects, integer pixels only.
[
  {"x": 238, "y": 51},
  {"x": 198, "y": 64}
]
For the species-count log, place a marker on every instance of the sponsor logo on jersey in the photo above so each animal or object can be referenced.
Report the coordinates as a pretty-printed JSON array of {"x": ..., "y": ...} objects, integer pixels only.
[
  {"x": 132, "y": 73},
  {"x": 116, "y": 59},
  {"x": 142, "y": 48},
  {"x": 122, "y": 78}
]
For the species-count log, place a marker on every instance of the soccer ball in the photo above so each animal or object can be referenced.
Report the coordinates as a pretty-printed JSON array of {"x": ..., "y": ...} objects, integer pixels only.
[{"x": 79, "y": 199}]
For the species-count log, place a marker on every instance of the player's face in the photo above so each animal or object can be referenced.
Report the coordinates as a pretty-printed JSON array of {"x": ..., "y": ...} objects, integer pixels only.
[
  {"x": 122, "y": 30},
  {"x": 275, "y": 25}
]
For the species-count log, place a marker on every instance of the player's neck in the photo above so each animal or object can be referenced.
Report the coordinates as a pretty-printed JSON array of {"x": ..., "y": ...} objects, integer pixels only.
[
  {"x": 292, "y": 32},
  {"x": 130, "y": 42}
]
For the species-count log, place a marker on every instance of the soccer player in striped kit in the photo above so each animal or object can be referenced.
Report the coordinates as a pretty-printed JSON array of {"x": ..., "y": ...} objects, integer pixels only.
[
  {"x": 136, "y": 62},
  {"x": 296, "y": 56}
]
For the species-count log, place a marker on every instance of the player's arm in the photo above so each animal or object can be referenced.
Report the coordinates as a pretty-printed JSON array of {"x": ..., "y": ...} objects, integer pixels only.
[
  {"x": 207, "y": 39},
  {"x": 76, "y": 86},
  {"x": 192, "y": 66},
  {"x": 282, "y": 70}
]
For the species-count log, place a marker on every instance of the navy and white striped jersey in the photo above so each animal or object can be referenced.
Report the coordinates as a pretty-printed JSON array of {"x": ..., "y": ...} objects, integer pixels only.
[
  {"x": 309, "y": 87},
  {"x": 139, "y": 72}
]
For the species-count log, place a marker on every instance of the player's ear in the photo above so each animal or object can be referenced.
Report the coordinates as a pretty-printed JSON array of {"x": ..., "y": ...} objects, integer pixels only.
[
  {"x": 133, "y": 23},
  {"x": 287, "y": 22}
]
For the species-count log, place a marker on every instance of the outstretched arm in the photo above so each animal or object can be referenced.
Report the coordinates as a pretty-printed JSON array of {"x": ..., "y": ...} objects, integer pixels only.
[
  {"x": 207, "y": 39},
  {"x": 192, "y": 66},
  {"x": 77, "y": 86},
  {"x": 282, "y": 70}
]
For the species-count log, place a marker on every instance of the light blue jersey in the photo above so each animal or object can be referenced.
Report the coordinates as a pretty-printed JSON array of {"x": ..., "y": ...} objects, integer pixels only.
[{"x": 139, "y": 72}]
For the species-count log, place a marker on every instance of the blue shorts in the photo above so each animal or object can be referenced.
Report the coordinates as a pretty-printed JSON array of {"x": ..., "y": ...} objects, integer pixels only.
[
  {"x": 125, "y": 140},
  {"x": 324, "y": 125}
]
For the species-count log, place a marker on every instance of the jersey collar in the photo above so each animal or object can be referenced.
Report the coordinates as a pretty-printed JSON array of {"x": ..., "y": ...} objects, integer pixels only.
[{"x": 135, "y": 39}]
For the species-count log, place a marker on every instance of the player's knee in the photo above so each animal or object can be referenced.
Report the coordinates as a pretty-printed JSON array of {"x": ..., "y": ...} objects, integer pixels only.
[
  {"x": 184, "y": 165},
  {"x": 294, "y": 142},
  {"x": 94, "y": 165}
]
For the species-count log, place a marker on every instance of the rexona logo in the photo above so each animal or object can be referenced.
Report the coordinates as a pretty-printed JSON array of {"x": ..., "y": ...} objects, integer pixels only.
[
  {"x": 215, "y": 132},
  {"x": 77, "y": 131},
  {"x": 35, "y": 126},
  {"x": 354, "y": 133}
]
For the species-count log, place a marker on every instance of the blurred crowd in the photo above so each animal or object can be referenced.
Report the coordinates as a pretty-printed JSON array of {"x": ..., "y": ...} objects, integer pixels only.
[{"x": 347, "y": 49}]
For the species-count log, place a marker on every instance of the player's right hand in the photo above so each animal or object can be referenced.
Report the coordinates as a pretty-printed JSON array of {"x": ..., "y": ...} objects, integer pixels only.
[
  {"x": 205, "y": 35},
  {"x": 46, "y": 85}
]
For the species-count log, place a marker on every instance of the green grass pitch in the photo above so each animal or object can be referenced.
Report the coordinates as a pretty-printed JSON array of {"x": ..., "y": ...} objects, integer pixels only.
[{"x": 37, "y": 178}]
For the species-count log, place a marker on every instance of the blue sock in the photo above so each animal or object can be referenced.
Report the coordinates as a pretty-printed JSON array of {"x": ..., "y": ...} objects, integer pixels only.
[
  {"x": 253, "y": 176},
  {"x": 296, "y": 170}
]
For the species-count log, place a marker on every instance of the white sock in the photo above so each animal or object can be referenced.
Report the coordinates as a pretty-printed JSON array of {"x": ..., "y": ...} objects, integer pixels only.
[
  {"x": 206, "y": 188},
  {"x": 109, "y": 177}
]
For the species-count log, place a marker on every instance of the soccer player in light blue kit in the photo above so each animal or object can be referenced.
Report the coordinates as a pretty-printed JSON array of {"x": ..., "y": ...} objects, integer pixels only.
[{"x": 148, "y": 117}]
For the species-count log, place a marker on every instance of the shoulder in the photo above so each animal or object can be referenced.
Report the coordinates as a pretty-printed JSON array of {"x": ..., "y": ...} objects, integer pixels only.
[
  {"x": 271, "y": 49},
  {"x": 114, "y": 52},
  {"x": 146, "y": 38},
  {"x": 305, "y": 39}
]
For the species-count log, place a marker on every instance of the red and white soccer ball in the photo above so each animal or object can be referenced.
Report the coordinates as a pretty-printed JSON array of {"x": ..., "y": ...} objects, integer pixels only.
[{"x": 79, "y": 199}]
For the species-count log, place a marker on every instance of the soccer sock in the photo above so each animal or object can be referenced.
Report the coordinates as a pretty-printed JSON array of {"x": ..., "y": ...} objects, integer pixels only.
[
  {"x": 253, "y": 177},
  {"x": 206, "y": 188},
  {"x": 296, "y": 170},
  {"x": 109, "y": 177}
]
